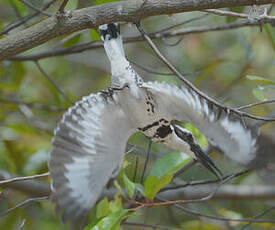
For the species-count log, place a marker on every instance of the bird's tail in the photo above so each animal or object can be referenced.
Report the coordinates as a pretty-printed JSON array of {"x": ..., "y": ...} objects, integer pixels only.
[{"x": 110, "y": 35}]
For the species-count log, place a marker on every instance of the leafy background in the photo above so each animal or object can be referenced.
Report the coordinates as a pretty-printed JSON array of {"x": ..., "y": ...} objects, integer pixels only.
[{"x": 219, "y": 61}]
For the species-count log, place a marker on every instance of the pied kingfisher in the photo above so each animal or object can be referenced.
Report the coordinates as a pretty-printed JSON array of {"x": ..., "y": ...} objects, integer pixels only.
[{"x": 89, "y": 142}]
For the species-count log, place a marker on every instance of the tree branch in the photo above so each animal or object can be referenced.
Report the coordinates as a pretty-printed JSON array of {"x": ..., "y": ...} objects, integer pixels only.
[
  {"x": 258, "y": 216},
  {"x": 159, "y": 34},
  {"x": 231, "y": 192},
  {"x": 263, "y": 192},
  {"x": 219, "y": 218},
  {"x": 24, "y": 203},
  {"x": 53, "y": 83},
  {"x": 8, "y": 181},
  {"x": 255, "y": 104},
  {"x": 151, "y": 226},
  {"x": 191, "y": 86},
  {"x": 196, "y": 183},
  {"x": 34, "y": 188},
  {"x": 92, "y": 17}
]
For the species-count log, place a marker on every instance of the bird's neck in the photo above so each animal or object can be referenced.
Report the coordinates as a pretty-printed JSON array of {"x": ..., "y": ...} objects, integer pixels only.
[{"x": 122, "y": 72}]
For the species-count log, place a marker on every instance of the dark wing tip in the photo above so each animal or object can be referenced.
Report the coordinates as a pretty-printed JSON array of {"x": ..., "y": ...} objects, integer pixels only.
[{"x": 70, "y": 212}]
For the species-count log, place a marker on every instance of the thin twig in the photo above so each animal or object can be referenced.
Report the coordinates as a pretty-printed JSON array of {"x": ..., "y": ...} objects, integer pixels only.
[
  {"x": 258, "y": 216},
  {"x": 91, "y": 17},
  {"x": 24, "y": 203},
  {"x": 35, "y": 8},
  {"x": 182, "y": 23},
  {"x": 151, "y": 71},
  {"x": 239, "y": 15},
  {"x": 258, "y": 124},
  {"x": 194, "y": 183},
  {"x": 22, "y": 224},
  {"x": 24, "y": 20},
  {"x": 98, "y": 44},
  {"x": 255, "y": 104},
  {"x": 219, "y": 218},
  {"x": 164, "y": 40},
  {"x": 191, "y": 86},
  {"x": 64, "y": 40},
  {"x": 225, "y": 13},
  {"x": 153, "y": 226},
  {"x": 3, "y": 182},
  {"x": 53, "y": 82},
  {"x": 174, "y": 202},
  {"x": 62, "y": 7}
]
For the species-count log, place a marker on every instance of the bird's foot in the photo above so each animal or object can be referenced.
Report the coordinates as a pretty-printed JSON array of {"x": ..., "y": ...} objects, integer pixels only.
[{"x": 111, "y": 88}]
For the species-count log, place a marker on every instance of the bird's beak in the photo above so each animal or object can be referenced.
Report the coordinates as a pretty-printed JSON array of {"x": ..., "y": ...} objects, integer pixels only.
[
  {"x": 206, "y": 161},
  {"x": 201, "y": 156}
]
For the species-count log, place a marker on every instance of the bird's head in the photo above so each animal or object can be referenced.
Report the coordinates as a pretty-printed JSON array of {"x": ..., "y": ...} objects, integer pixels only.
[{"x": 109, "y": 31}]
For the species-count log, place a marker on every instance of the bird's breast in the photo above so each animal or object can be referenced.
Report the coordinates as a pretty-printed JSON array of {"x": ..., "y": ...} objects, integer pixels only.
[{"x": 139, "y": 106}]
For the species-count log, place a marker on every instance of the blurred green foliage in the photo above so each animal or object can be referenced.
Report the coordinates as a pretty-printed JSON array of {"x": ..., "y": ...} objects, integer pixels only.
[{"x": 30, "y": 107}]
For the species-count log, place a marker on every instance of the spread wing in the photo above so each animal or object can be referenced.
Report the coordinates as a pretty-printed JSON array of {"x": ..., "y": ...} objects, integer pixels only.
[
  {"x": 221, "y": 128},
  {"x": 88, "y": 147}
]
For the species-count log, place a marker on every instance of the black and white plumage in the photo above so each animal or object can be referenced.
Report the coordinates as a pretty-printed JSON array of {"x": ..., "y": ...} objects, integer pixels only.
[{"x": 89, "y": 142}]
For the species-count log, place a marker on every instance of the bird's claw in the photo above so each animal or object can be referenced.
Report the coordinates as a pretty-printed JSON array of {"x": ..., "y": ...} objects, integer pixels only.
[{"x": 110, "y": 90}]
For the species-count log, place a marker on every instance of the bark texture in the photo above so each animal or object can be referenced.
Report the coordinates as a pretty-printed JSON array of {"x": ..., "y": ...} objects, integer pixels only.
[{"x": 91, "y": 17}]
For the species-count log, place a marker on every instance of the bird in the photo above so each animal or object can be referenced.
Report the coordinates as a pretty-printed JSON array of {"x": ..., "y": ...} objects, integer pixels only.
[{"x": 89, "y": 142}]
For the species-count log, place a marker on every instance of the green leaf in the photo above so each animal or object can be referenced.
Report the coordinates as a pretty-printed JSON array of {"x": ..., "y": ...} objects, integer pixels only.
[
  {"x": 270, "y": 33},
  {"x": 162, "y": 172},
  {"x": 154, "y": 184},
  {"x": 140, "y": 188},
  {"x": 116, "y": 204},
  {"x": 131, "y": 187},
  {"x": 201, "y": 139},
  {"x": 95, "y": 35},
  {"x": 110, "y": 222},
  {"x": 260, "y": 79},
  {"x": 71, "y": 5},
  {"x": 102, "y": 208},
  {"x": 169, "y": 164},
  {"x": 118, "y": 187},
  {"x": 72, "y": 41}
]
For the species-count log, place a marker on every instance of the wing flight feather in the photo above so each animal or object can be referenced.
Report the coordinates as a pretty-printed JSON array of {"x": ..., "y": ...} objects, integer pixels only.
[
  {"x": 224, "y": 130},
  {"x": 88, "y": 145}
]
